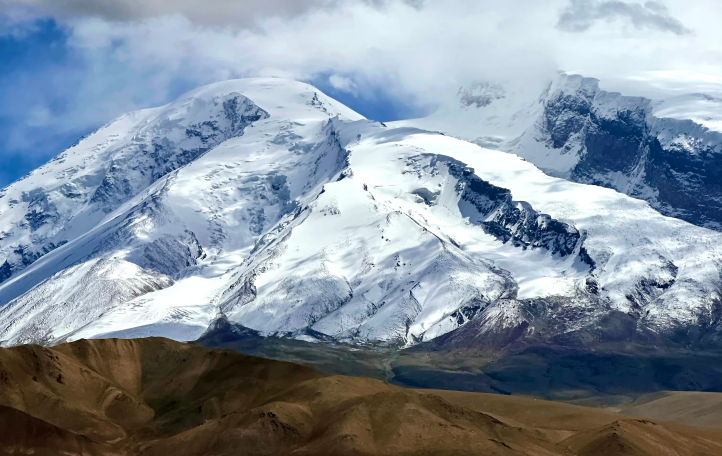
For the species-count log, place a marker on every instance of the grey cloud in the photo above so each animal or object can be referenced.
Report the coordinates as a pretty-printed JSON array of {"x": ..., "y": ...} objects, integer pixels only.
[
  {"x": 207, "y": 12},
  {"x": 656, "y": 7},
  {"x": 240, "y": 12},
  {"x": 580, "y": 15}
]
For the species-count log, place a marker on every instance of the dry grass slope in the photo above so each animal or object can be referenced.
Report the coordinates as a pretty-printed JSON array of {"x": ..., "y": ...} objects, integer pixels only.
[{"x": 158, "y": 397}]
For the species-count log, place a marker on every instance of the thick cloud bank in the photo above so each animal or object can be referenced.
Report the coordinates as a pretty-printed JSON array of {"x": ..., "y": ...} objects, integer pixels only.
[{"x": 128, "y": 54}]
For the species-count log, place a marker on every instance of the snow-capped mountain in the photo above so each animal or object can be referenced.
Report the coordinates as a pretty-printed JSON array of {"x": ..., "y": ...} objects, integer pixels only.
[
  {"x": 268, "y": 203},
  {"x": 667, "y": 152}
]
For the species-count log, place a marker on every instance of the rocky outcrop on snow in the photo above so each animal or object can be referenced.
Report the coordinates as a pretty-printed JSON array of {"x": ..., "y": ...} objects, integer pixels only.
[
  {"x": 666, "y": 152},
  {"x": 509, "y": 220}
]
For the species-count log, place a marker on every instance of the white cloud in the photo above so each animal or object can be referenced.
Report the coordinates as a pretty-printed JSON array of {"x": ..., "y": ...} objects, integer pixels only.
[
  {"x": 420, "y": 50},
  {"x": 399, "y": 46},
  {"x": 206, "y": 12},
  {"x": 342, "y": 83},
  {"x": 411, "y": 49}
]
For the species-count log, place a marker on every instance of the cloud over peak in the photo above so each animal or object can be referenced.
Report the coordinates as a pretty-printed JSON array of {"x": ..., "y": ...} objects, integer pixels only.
[{"x": 103, "y": 57}]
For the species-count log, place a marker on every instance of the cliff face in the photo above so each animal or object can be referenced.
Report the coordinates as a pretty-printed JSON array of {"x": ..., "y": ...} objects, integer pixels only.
[
  {"x": 510, "y": 220},
  {"x": 667, "y": 152},
  {"x": 620, "y": 142}
]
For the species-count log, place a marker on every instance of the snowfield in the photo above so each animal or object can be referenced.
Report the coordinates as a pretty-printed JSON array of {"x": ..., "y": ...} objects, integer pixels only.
[{"x": 265, "y": 201}]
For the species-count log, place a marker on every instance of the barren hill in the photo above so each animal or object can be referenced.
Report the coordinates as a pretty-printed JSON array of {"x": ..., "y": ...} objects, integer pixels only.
[{"x": 158, "y": 397}]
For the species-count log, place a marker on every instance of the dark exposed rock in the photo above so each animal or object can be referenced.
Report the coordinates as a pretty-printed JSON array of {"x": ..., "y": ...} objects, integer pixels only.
[
  {"x": 155, "y": 157},
  {"x": 675, "y": 165},
  {"x": 5, "y": 271},
  {"x": 427, "y": 195},
  {"x": 480, "y": 94},
  {"x": 26, "y": 256},
  {"x": 512, "y": 221},
  {"x": 169, "y": 255},
  {"x": 468, "y": 311},
  {"x": 40, "y": 209}
]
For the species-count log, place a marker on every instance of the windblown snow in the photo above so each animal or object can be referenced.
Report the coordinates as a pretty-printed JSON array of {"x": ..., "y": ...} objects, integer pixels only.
[{"x": 265, "y": 201}]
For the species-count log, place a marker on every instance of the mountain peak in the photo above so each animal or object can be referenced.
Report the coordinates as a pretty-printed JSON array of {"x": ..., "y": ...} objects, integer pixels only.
[
  {"x": 265, "y": 201},
  {"x": 286, "y": 98}
]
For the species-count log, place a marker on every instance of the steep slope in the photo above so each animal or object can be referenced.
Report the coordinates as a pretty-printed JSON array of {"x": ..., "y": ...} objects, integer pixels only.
[
  {"x": 77, "y": 296},
  {"x": 157, "y": 228},
  {"x": 76, "y": 190},
  {"x": 666, "y": 152},
  {"x": 21, "y": 433},
  {"x": 311, "y": 222}
]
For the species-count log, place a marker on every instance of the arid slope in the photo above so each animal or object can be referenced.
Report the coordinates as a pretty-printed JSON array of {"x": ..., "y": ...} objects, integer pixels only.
[{"x": 159, "y": 397}]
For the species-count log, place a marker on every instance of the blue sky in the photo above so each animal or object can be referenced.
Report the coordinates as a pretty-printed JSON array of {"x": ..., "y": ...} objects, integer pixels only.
[
  {"x": 44, "y": 81},
  {"x": 25, "y": 62}
]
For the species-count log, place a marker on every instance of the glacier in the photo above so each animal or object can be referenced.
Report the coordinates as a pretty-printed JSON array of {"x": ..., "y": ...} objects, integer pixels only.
[{"x": 267, "y": 203}]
